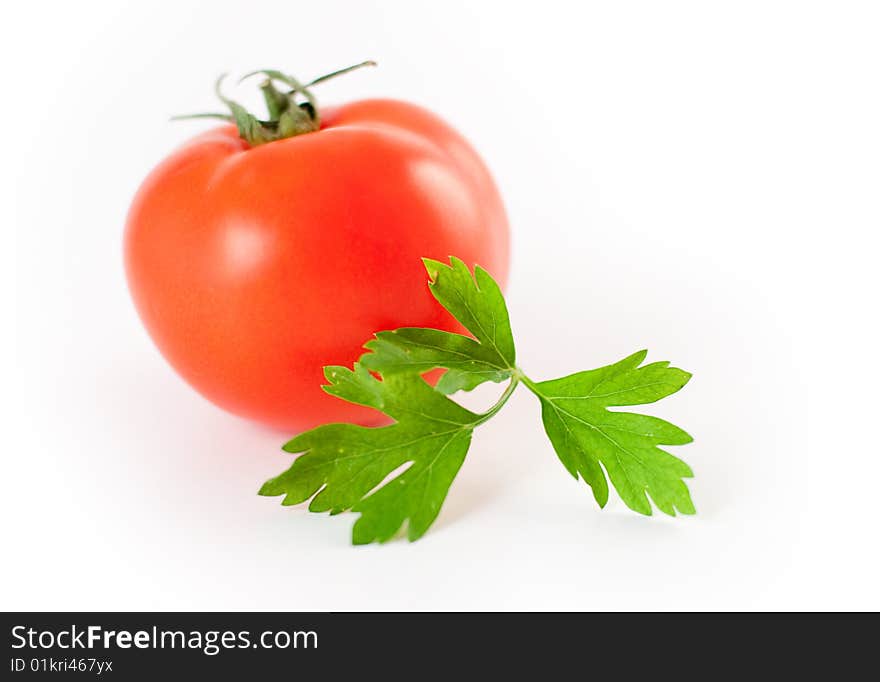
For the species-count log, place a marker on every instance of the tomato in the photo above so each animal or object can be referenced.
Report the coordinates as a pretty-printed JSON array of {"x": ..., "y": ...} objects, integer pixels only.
[{"x": 252, "y": 267}]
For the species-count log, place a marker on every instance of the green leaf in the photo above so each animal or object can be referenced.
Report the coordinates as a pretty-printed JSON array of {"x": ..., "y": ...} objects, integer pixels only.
[
  {"x": 344, "y": 465},
  {"x": 412, "y": 349},
  {"x": 475, "y": 301},
  {"x": 585, "y": 434}
]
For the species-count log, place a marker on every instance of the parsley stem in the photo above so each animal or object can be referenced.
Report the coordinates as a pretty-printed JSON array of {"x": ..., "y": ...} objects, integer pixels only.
[
  {"x": 492, "y": 411},
  {"x": 531, "y": 385}
]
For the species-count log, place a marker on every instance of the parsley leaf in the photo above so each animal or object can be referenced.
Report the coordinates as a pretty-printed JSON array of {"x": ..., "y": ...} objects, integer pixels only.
[
  {"x": 347, "y": 467},
  {"x": 475, "y": 301},
  {"x": 585, "y": 433},
  {"x": 346, "y": 462}
]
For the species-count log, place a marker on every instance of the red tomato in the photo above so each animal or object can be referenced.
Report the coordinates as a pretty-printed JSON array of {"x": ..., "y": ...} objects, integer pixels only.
[{"x": 253, "y": 267}]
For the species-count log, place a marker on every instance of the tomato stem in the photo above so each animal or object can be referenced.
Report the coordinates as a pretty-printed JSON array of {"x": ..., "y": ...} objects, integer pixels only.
[
  {"x": 288, "y": 116},
  {"x": 276, "y": 102},
  {"x": 340, "y": 72}
]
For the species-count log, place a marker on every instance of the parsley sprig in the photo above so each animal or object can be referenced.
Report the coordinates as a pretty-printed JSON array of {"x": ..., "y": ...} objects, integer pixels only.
[{"x": 343, "y": 466}]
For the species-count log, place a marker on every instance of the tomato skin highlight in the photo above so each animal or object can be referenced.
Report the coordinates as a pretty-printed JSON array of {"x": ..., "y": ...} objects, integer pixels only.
[{"x": 253, "y": 268}]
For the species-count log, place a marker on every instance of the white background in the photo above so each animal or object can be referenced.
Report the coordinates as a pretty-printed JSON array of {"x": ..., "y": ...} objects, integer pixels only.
[{"x": 700, "y": 179}]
